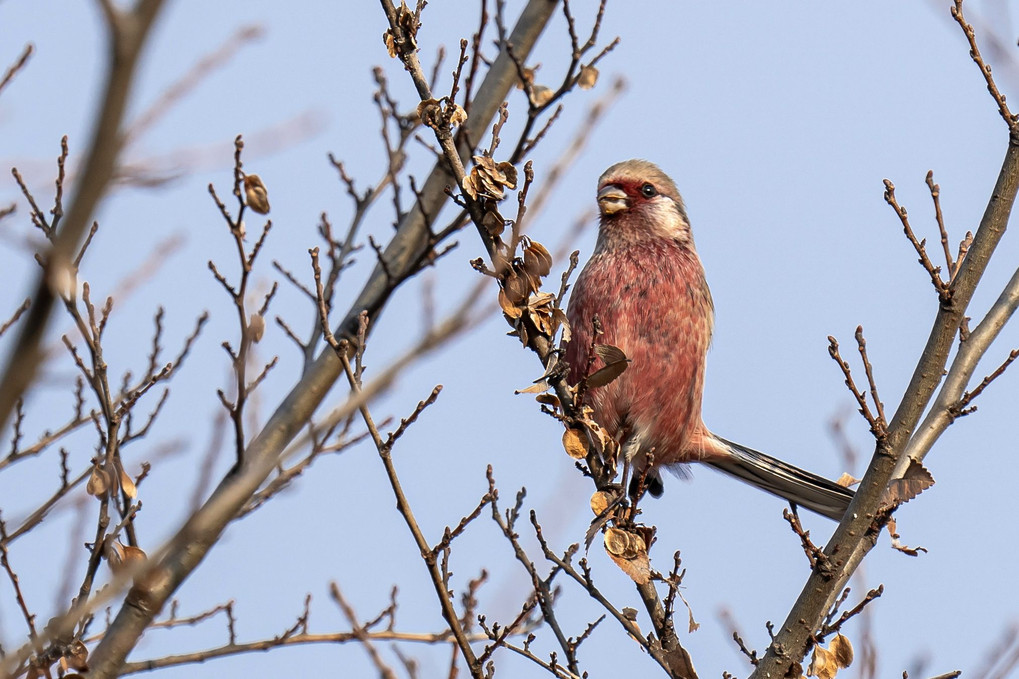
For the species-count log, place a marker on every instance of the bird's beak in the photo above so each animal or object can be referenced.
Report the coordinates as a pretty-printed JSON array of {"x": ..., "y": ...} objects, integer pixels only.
[{"x": 612, "y": 199}]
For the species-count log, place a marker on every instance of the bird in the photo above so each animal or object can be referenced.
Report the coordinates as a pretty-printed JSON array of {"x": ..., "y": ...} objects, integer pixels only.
[{"x": 645, "y": 285}]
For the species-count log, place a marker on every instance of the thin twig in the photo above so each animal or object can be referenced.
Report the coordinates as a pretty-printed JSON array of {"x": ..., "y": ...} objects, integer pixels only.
[{"x": 985, "y": 69}]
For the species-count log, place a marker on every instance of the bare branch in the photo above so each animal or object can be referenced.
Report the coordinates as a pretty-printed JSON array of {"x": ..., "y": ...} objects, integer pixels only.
[
  {"x": 19, "y": 64},
  {"x": 128, "y": 33},
  {"x": 940, "y": 285},
  {"x": 985, "y": 69}
]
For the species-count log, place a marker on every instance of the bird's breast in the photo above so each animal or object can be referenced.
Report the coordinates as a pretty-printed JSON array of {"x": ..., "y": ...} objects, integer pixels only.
[{"x": 653, "y": 303}]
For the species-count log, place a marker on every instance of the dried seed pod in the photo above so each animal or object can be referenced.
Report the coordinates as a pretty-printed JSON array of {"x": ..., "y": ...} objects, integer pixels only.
[
  {"x": 509, "y": 308},
  {"x": 575, "y": 444},
  {"x": 256, "y": 327},
  {"x": 126, "y": 482},
  {"x": 75, "y": 657},
  {"x": 600, "y": 502},
  {"x": 537, "y": 259},
  {"x": 409, "y": 26},
  {"x": 629, "y": 552},
  {"x": 456, "y": 114},
  {"x": 430, "y": 113},
  {"x": 517, "y": 288},
  {"x": 98, "y": 482},
  {"x": 541, "y": 95},
  {"x": 256, "y": 196},
  {"x": 390, "y": 41},
  {"x": 528, "y": 77},
  {"x": 489, "y": 178},
  {"x": 122, "y": 558}
]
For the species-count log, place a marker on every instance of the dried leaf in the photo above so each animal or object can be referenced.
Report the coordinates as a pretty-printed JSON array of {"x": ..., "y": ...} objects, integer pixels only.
[
  {"x": 408, "y": 24},
  {"x": 114, "y": 554},
  {"x": 916, "y": 480},
  {"x": 575, "y": 443},
  {"x": 508, "y": 177},
  {"x": 560, "y": 318},
  {"x": 493, "y": 222},
  {"x": 588, "y": 77},
  {"x": 609, "y": 354},
  {"x": 521, "y": 333},
  {"x": 256, "y": 327},
  {"x": 826, "y": 662},
  {"x": 528, "y": 77},
  {"x": 122, "y": 558},
  {"x": 908, "y": 551},
  {"x": 470, "y": 183},
  {"x": 843, "y": 650},
  {"x": 390, "y": 41},
  {"x": 847, "y": 480},
  {"x": 517, "y": 288},
  {"x": 98, "y": 482},
  {"x": 615, "y": 363},
  {"x": 822, "y": 664},
  {"x": 76, "y": 656},
  {"x": 456, "y": 115},
  {"x": 597, "y": 436},
  {"x": 134, "y": 556},
  {"x": 538, "y": 387},
  {"x": 256, "y": 196},
  {"x": 540, "y": 308},
  {"x": 508, "y": 307},
  {"x": 430, "y": 113},
  {"x": 542, "y": 302},
  {"x": 541, "y": 95},
  {"x": 692, "y": 625},
  {"x": 602, "y": 376},
  {"x": 126, "y": 482}
]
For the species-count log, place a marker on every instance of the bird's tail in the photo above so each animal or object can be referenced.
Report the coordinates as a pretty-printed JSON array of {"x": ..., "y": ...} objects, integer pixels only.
[{"x": 770, "y": 474}]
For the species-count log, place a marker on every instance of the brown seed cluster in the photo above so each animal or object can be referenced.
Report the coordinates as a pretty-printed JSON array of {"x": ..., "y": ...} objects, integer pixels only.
[
  {"x": 409, "y": 24},
  {"x": 490, "y": 179},
  {"x": 101, "y": 481},
  {"x": 524, "y": 305},
  {"x": 441, "y": 114},
  {"x": 826, "y": 662}
]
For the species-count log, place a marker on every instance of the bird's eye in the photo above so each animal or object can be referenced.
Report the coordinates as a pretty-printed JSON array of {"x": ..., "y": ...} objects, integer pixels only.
[{"x": 649, "y": 191}]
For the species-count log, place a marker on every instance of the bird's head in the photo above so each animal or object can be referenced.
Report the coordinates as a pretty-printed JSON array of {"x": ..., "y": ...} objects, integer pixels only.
[{"x": 638, "y": 201}]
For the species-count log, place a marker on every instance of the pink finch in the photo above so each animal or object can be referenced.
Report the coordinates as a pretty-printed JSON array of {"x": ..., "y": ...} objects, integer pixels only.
[{"x": 646, "y": 286}]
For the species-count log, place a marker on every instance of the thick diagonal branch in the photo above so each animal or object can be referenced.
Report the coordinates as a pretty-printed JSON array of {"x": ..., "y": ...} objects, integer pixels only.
[
  {"x": 857, "y": 534},
  {"x": 128, "y": 32}
]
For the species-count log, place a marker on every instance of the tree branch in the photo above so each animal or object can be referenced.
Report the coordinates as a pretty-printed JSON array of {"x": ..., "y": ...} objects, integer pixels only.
[
  {"x": 403, "y": 253},
  {"x": 127, "y": 35},
  {"x": 858, "y": 532}
]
